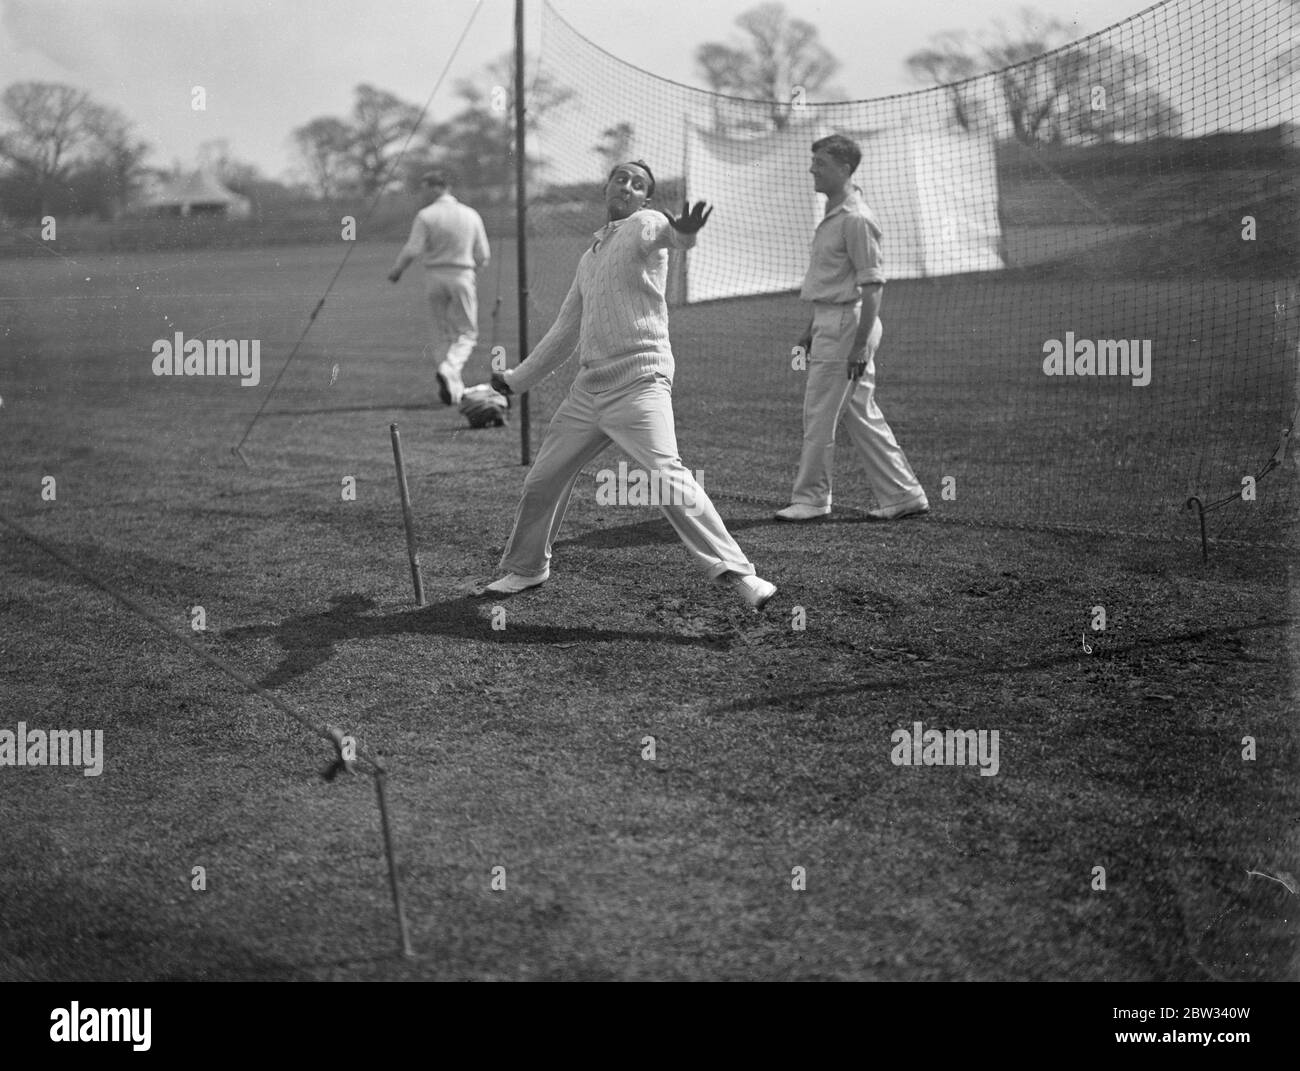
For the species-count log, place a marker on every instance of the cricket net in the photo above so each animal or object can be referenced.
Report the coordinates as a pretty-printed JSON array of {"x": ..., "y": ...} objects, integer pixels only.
[{"x": 1093, "y": 312}]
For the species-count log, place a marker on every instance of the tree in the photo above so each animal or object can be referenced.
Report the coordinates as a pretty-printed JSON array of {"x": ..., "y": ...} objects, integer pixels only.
[
  {"x": 1110, "y": 96},
  {"x": 325, "y": 147},
  {"x": 236, "y": 175},
  {"x": 67, "y": 153},
  {"x": 1032, "y": 72},
  {"x": 117, "y": 155},
  {"x": 615, "y": 146},
  {"x": 946, "y": 62},
  {"x": 478, "y": 143},
  {"x": 382, "y": 124},
  {"x": 49, "y": 133},
  {"x": 780, "y": 64},
  {"x": 1050, "y": 91},
  {"x": 359, "y": 152},
  {"x": 1287, "y": 61}
]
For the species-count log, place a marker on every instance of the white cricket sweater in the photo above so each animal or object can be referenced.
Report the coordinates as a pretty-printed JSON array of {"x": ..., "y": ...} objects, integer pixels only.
[
  {"x": 615, "y": 316},
  {"x": 446, "y": 234}
]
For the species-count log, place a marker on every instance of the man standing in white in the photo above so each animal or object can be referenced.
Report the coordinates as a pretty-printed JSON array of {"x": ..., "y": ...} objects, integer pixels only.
[
  {"x": 451, "y": 239},
  {"x": 616, "y": 319},
  {"x": 844, "y": 283}
]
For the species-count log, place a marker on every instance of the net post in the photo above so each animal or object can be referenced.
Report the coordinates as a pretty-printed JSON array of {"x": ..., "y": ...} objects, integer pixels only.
[
  {"x": 407, "y": 520},
  {"x": 403, "y": 931},
  {"x": 521, "y": 241},
  {"x": 1200, "y": 510}
]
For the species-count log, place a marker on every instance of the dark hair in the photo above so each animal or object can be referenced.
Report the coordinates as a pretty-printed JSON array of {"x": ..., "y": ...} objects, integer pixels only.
[
  {"x": 436, "y": 178},
  {"x": 643, "y": 166},
  {"x": 840, "y": 149}
]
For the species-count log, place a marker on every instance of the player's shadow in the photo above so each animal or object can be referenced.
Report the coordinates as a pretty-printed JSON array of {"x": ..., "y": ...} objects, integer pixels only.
[
  {"x": 741, "y": 524},
  {"x": 309, "y": 640},
  {"x": 925, "y": 682},
  {"x": 117, "y": 938},
  {"x": 657, "y": 530}
]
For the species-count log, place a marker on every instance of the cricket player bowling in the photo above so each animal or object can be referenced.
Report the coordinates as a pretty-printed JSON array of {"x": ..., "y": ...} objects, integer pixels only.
[{"x": 615, "y": 317}]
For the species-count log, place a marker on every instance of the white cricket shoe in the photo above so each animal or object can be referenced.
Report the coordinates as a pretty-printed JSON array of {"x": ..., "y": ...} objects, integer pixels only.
[
  {"x": 800, "y": 512},
  {"x": 911, "y": 508},
  {"x": 513, "y": 583},
  {"x": 753, "y": 589}
]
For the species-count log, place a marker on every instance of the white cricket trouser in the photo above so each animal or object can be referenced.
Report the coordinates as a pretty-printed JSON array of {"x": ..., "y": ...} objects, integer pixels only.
[
  {"x": 453, "y": 300},
  {"x": 638, "y": 419},
  {"x": 830, "y": 393}
]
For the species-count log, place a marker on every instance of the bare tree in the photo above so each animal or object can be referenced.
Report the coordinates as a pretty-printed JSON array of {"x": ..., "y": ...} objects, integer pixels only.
[
  {"x": 478, "y": 143},
  {"x": 117, "y": 153},
  {"x": 325, "y": 147},
  {"x": 1050, "y": 91},
  {"x": 1111, "y": 96},
  {"x": 360, "y": 150},
  {"x": 1031, "y": 73},
  {"x": 950, "y": 60},
  {"x": 381, "y": 125},
  {"x": 781, "y": 63},
  {"x": 615, "y": 146},
  {"x": 49, "y": 133}
]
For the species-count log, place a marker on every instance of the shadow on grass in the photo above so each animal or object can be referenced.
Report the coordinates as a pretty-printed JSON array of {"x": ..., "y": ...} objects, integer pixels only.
[
  {"x": 836, "y": 518},
  {"x": 73, "y": 931},
  {"x": 643, "y": 533},
  {"x": 922, "y": 681},
  {"x": 657, "y": 531},
  {"x": 309, "y": 640}
]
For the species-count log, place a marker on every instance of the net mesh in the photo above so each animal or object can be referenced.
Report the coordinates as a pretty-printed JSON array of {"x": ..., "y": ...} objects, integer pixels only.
[{"x": 1132, "y": 197}]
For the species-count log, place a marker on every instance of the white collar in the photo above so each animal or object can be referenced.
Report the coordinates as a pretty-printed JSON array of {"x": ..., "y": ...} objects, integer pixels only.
[
  {"x": 854, "y": 195},
  {"x": 611, "y": 225}
]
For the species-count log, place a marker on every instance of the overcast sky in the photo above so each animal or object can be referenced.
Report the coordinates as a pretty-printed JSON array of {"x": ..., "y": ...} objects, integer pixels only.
[{"x": 268, "y": 66}]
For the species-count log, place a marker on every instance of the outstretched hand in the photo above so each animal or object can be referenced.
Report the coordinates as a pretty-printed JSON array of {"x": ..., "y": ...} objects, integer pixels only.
[{"x": 692, "y": 217}]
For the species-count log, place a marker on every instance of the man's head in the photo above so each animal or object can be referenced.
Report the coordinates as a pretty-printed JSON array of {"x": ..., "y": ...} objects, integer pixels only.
[
  {"x": 835, "y": 158},
  {"x": 436, "y": 182},
  {"x": 628, "y": 188}
]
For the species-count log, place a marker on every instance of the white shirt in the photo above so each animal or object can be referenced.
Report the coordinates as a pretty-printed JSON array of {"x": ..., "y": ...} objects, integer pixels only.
[
  {"x": 615, "y": 315},
  {"x": 447, "y": 234},
  {"x": 845, "y": 254}
]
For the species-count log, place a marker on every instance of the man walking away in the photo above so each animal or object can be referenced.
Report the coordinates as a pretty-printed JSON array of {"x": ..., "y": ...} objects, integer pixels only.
[{"x": 450, "y": 237}]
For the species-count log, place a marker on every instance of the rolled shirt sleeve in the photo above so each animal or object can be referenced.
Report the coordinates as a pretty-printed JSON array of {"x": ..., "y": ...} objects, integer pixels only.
[
  {"x": 864, "y": 251},
  {"x": 845, "y": 255}
]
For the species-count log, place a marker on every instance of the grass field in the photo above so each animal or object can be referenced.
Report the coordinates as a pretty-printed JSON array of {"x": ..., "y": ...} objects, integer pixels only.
[{"x": 523, "y": 747}]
